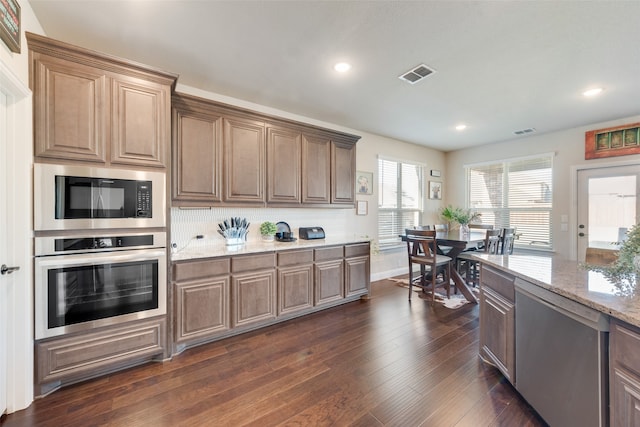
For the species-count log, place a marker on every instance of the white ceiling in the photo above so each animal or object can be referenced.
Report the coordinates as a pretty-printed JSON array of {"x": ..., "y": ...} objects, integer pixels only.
[{"x": 501, "y": 66}]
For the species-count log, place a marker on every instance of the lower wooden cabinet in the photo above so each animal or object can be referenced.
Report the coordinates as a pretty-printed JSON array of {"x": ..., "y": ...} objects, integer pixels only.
[
  {"x": 329, "y": 278},
  {"x": 218, "y": 297},
  {"x": 84, "y": 355},
  {"x": 254, "y": 297},
  {"x": 357, "y": 269},
  {"x": 295, "y": 282},
  {"x": 497, "y": 320},
  {"x": 624, "y": 375},
  {"x": 202, "y": 309}
]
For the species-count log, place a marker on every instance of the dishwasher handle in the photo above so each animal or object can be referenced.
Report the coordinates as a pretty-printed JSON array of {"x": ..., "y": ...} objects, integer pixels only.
[{"x": 579, "y": 312}]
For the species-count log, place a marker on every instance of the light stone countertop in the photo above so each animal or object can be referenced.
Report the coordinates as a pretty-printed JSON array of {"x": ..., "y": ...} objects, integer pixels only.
[
  {"x": 567, "y": 278},
  {"x": 217, "y": 248}
]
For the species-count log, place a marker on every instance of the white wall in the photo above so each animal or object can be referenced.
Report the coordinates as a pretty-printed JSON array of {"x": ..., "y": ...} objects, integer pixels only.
[
  {"x": 14, "y": 80},
  {"x": 568, "y": 146}
]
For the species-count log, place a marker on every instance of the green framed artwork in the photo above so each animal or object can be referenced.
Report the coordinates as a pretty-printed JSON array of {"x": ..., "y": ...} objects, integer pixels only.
[{"x": 614, "y": 141}]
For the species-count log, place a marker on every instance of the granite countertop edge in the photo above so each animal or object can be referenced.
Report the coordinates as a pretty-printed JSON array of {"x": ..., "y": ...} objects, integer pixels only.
[
  {"x": 567, "y": 278},
  {"x": 218, "y": 248}
]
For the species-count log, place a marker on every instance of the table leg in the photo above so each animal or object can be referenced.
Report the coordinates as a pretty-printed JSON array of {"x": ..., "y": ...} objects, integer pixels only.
[{"x": 462, "y": 286}]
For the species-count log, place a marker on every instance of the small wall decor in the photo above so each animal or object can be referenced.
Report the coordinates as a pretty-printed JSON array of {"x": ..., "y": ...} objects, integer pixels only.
[
  {"x": 362, "y": 207},
  {"x": 610, "y": 142},
  {"x": 435, "y": 190},
  {"x": 10, "y": 24},
  {"x": 364, "y": 182}
]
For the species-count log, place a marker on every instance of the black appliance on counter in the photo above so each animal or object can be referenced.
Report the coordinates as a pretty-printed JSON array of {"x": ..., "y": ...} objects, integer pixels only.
[{"x": 311, "y": 233}]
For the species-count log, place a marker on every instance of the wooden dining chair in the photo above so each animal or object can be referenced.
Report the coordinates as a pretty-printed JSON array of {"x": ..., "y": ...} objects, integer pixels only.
[
  {"x": 507, "y": 238},
  {"x": 422, "y": 249},
  {"x": 441, "y": 228},
  {"x": 470, "y": 265}
]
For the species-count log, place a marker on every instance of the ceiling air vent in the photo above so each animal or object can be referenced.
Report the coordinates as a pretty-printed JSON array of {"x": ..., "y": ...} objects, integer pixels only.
[
  {"x": 416, "y": 74},
  {"x": 525, "y": 131}
]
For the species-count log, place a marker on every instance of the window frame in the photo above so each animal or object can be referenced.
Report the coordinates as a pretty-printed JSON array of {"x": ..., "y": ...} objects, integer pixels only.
[
  {"x": 392, "y": 240},
  {"x": 506, "y": 211}
]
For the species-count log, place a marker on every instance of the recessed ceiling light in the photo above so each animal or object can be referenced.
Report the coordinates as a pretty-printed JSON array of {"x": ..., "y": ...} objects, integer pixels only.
[
  {"x": 342, "y": 67},
  {"x": 593, "y": 92},
  {"x": 461, "y": 127}
]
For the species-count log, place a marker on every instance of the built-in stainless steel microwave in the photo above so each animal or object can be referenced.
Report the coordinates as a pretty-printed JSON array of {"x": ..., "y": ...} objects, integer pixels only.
[{"x": 69, "y": 197}]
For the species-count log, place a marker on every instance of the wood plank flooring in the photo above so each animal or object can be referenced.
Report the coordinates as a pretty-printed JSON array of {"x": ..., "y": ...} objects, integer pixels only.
[{"x": 381, "y": 362}]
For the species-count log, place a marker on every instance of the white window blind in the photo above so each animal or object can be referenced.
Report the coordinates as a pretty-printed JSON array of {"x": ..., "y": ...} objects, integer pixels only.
[
  {"x": 400, "y": 194},
  {"x": 515, "y": 193}
]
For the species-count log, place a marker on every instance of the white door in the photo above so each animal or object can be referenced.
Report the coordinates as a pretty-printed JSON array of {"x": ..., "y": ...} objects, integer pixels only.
[
  {"x": 607, "y": 206},
  {"x": 5, "y": 279}
]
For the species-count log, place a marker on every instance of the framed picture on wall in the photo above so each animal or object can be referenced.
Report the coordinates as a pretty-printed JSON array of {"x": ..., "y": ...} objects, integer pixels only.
[
  {"x": 435, "y": 190},
  {"x": 364, "y": 182}
]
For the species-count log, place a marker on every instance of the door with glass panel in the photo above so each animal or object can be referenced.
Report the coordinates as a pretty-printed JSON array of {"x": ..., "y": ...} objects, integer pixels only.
[{"x": 607, "y": 206}]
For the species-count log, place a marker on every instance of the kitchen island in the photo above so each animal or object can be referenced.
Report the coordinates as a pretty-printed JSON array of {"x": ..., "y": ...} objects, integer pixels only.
[
  {"x": 220, "y": 291},
  {"x": 549, "y": 325}
]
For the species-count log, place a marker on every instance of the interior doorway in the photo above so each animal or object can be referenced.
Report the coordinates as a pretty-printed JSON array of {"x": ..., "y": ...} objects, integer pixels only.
[
  {"x": 16, "y": 289},
  {"x": 608, "y": 205}
]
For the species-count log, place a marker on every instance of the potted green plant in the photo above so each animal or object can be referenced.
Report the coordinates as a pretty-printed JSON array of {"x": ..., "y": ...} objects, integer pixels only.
[
  {"x": 268, "y": 230},
  {"x": 625, "y": 271},
  {"x": 462, "y": 217}
]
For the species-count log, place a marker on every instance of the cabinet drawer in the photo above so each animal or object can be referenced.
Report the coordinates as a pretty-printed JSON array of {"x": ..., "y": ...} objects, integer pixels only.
[
  {"x": 84, "y": 355},
  {"x": 295, "y": 257},
  {"x": 625, "y": 345},
  {"x": 325, "y": 254},
  {"x": 359, "y": 249},
  {"x": 499, "y": 281},
  {"x": 191, "y": 270},
  {"x": 241, "y": 264}
]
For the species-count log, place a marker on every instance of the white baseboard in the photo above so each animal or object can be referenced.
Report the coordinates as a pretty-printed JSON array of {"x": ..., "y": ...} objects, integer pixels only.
[{"x": 389, "y": 273}]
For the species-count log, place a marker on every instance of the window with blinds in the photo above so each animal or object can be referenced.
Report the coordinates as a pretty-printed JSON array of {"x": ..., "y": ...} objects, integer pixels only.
[
  {"x": 400, "y": 198},
  {"x": 515, "y": 193}
]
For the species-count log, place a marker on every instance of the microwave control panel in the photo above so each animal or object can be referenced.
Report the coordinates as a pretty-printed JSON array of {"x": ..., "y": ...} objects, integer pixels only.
[{"x": 143, "y": 199}]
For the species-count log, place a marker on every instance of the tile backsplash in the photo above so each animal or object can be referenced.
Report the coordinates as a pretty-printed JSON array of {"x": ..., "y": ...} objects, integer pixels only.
[{"x": 186, "y": 224}]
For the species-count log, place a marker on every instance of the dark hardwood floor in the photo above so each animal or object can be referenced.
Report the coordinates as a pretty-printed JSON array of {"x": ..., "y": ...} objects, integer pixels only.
[{"x": 384, "y": 361}]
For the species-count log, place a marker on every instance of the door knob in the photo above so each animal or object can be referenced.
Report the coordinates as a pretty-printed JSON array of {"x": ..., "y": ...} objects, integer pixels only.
[
  {"x": 8, "y": 270},
  {"x": 581, "y": 234},
  {"x": 581, "y": 226}
]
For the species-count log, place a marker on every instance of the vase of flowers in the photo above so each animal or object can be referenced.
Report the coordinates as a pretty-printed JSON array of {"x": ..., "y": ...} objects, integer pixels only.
[{"x": 461, "y": 217}]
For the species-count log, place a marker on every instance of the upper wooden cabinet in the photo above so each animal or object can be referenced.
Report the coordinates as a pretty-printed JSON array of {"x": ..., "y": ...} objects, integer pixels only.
[
  {"x": 316, "y": 164},
  {"x": 197, "y": 153},
  {"x": 96, "y": 108},
  {"x": 244, "y": 160},
  {"x": 343, "y": 171},
  {"x": 284, "y": 167},
  {"x": 228, "y": 156}
]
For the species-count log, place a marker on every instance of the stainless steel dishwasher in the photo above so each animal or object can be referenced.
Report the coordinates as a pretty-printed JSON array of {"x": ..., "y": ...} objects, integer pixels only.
[{"x": 561, "y": 357}]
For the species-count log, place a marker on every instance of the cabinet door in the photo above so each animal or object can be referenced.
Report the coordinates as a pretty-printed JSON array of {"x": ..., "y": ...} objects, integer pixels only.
[
  {"x": 70, "y": 110},
  {"x": 329, "y": 282},
  {"x": 284, "y": 160},
  {"x": 316, "y": 169},
  {"x": 624, "y": 381},
  {"x": 343, "y": 174},
  {"x": 196, "y": 166},
  {"x": 254, "y": 297},
  {"x": 357, "y": 276},
  {"x": 140, "y": 122},
  {"x": 202, "y": 309},
  {"x": 295, "y": 289},
  {"x": 497, "y": 331},
  {"x": 244, "y": 151}
]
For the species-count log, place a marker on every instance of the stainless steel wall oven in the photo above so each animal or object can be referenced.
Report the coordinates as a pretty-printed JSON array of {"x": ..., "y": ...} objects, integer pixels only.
[{"x": 84, "y": 282}]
